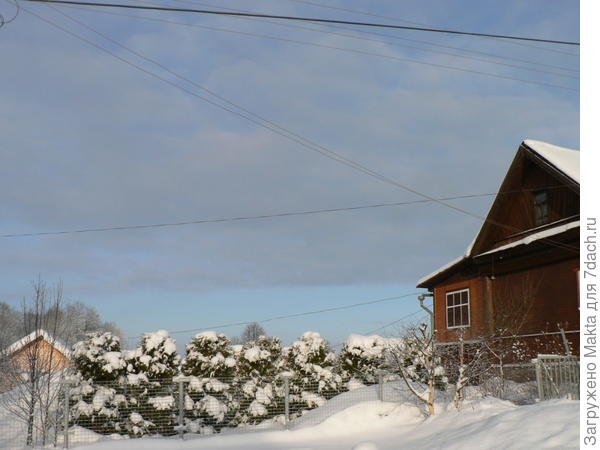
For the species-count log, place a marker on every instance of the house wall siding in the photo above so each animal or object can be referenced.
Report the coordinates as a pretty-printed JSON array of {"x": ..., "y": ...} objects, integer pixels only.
[
  {"x": 47, "y": 357},
  {"x": 476, "y": 304},
  {"x": 553, "y": 292}
]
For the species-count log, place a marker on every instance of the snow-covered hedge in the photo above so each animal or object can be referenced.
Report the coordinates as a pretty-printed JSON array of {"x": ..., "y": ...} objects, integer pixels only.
[
  {"x": 360, "y": 358},
  {"x": 312, "y": 366},
  {"x": 96, "y": 394},
  {"x": 133, "y": 392},
  {"x": 257, "y": 380},
  {"x": 210, "y": 364},
  {"x": 149, "y": 386}
]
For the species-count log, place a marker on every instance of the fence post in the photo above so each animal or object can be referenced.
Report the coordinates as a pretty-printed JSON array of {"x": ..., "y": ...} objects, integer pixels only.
[
  {"x": 286, "y": 387},
  {"x": 180, "y": 380},
  {"x": 181, "y": 404},
  {"x": 66, "y": 416},
  {"x": 538, "y": 378},
  {"x": 565, "y": 342},
  {"x": 380, "y": 375}
]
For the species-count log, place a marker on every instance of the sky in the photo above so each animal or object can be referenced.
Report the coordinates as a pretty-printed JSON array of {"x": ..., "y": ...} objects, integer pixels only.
[{"x": 90, "y": 141}]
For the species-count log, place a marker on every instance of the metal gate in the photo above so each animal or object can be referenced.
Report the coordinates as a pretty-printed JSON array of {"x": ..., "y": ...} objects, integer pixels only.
[{"x": 557, "y": 376}]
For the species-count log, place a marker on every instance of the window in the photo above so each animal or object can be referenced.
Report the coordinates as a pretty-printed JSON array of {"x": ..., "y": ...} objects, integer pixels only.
[
  {"x": 541, "y": 211},
  {"x": 457, "y": 309}
]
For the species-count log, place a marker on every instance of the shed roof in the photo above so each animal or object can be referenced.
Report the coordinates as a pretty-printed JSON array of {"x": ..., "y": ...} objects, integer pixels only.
[{"x": 33, "y": 336}]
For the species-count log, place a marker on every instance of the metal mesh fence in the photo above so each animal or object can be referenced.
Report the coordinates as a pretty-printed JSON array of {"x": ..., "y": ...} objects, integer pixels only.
[
  {"x": 187, "y": 407},
  {"x": 515, "y": 382},
  {"x": 29, "y": 413},
  {"x": 86, "y": 412}
]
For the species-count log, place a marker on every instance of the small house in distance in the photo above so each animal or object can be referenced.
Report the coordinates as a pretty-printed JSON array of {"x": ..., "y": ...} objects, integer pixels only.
[
  {"x": 39, "y": 350},
  {"x": 520, "y": 275}
]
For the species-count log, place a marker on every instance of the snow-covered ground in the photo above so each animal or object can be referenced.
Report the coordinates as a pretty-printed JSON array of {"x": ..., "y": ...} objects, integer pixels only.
[
  {"x": 356, "y": 420},
  {"x": 480, "y": 424}
]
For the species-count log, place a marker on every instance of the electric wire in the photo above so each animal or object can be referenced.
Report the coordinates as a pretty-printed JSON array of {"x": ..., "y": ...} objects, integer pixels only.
[
  {"x": 394, "y": 322},
  {"x": 295, "y": 315},
  {"x": 253, "y": 217},
  {"x": 318, "y": 148},
  {"x": 3, "y": 20},
  {"x": 361, "y": 52},
  {"x": 379, "y": 16},
  {"x": 304, "y": 19},
  {"x": 387, "y": 325},
  {"x": 229, "y": 219},
  {"x": 325, "y": 29}
]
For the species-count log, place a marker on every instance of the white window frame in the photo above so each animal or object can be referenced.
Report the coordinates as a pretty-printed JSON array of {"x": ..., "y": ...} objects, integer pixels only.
[{"x": 459, "y": 291}]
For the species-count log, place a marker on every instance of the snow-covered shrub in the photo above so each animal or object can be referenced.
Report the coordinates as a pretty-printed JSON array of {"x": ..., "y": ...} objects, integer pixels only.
[
  {"x": 360, "y": 358},
  {"x": 149, "y": 385},
  {"x": 96, "y": 392},
  {"x": 210, "y": 365},
  {"x": 313, "y": 380},
  {"x": 257, "y": 383}
]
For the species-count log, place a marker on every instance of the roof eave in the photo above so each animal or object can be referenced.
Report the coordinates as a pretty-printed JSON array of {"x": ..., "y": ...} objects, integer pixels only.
[{"x": 443, "y": 273}]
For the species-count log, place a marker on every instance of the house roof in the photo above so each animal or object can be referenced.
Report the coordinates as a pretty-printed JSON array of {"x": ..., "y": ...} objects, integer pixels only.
[
  {"x": 442, "y": 269},
  {"x": 535, "y": 237},
  {"x": 33, "y": 336},
  {"x": 564, "y": 160}
]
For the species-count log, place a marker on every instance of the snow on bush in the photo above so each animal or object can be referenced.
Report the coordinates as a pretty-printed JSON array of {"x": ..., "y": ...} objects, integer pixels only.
[
  {"x": 312, "y": 366},
  {"x": 210, "y": 363},
  {"x": 95, "y": 395},
  {"x": 360, "y": 358},
  {"x": 257, "y": 380},
  {"x": 150, "y": 390}
]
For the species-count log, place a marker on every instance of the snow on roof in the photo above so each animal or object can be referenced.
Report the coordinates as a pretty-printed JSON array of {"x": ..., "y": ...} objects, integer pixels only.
[
  {"x": 535, "y": 237},
  {"x": 15, "y": 347},
  {"x": 564, "y": 159},
  {"x": 443, "y": 268}
]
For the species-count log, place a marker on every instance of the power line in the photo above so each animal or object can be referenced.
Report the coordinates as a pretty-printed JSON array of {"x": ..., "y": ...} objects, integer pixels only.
[
  {"x": 231, "y": 219},
  {"x": 394, "y": 322},
  {"x": 4, "y": 21},
  {"x": 300, "y": 314},
  {"x": 433, "y": 44},
  {"x": 401, "y": 319},
  {"x": 277, "y": 129},
  {"x": 362, "y": 52},
  {"x": 306, "y": 19},
  {"x": 248, "y": 218},
  {"x": 326, "y": 30},
  {"x": 379, "y": 16}
]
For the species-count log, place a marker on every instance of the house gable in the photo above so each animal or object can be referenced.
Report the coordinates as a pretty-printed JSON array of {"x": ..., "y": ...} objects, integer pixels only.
[
  {"x": 534, "y": 195},
  {"x": 40, "y": 345},
  {"x": 538, "y": 171}
]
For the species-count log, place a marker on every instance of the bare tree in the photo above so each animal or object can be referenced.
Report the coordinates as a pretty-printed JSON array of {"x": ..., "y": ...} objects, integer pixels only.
[
  {"x": 512, "y": 302},
  {"x": 414, "y": 357},
  {"x": 9, "y": 325},
  {"x": 9, "y": 333},
  {"x": 468, "y": 363},
  {"x": 33, "y": 365},
  {"x": 252, "y": 332}
]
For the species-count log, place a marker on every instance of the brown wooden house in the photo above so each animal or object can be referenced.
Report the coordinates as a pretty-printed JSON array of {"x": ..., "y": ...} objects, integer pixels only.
[
  {"x": 520, "y": 275},
  {"x": 38, "y": 350}
]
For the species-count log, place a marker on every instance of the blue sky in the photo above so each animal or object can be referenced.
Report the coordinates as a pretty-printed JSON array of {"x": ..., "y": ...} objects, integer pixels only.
[{"x": 89, "y": 141}]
